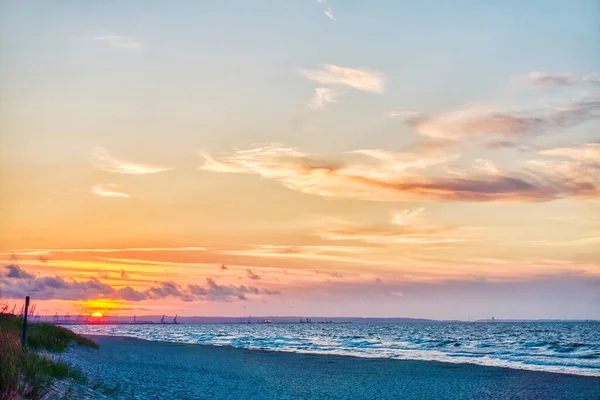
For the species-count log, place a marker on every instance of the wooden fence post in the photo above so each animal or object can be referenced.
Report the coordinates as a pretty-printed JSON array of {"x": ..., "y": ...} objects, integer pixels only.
[{"x": 24, "y": 337}]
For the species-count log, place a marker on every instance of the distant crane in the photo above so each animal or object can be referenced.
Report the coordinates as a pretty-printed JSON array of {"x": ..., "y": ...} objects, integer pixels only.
[
  {"x": 175, "y": 319},
  {"x": 162, "y": 320},
  {"x": 55, "y": 318}
]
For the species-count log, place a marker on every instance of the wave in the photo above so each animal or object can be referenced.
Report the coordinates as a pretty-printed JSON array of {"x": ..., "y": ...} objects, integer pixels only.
[{"x": 553, "y": 348}]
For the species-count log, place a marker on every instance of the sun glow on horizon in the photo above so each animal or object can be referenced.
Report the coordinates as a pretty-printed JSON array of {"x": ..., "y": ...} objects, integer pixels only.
[
  {"x": 102, "y": 307},
  {"x": 97, "y": 315}
]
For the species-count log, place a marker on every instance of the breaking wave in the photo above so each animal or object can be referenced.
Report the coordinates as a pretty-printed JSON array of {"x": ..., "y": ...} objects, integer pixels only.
[{"x": 564, "y": 347}]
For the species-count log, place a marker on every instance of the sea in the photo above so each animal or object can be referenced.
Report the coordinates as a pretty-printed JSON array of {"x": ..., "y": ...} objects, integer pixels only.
[{"x": 562, "y": 347}]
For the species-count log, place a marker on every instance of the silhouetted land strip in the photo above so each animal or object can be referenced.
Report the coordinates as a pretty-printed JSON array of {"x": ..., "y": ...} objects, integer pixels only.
[{"x": 145, "y": 369}]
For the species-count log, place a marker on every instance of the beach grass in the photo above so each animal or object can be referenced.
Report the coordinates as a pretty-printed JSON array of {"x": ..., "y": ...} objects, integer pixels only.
[
  {"x": 25, "y": 371},
  {"x": 45, "y": 336}
]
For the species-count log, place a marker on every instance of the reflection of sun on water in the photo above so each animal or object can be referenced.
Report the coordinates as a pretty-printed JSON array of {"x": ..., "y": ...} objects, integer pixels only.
[{"x": 97, "y": 315}]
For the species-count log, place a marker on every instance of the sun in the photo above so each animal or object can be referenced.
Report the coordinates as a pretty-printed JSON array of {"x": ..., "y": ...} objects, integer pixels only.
[{"x": 97, "y": 315}]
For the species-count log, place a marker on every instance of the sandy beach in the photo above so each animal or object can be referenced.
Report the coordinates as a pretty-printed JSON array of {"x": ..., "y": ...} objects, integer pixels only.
[{"x": 158, "y": 370}]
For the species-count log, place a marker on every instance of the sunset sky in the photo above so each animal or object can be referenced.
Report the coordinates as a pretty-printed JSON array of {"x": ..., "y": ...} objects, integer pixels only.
[{"x": 434, "y": 159}]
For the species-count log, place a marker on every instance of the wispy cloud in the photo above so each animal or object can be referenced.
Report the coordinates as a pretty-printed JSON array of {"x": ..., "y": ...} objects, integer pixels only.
[
  {"x": 323, "y": 253},
  {"x": 45, "y": 252},
  {"x": 587, "y": 152},
  {"x": 572, "y": 169},
  {"x": 360, "y": 79},
  {"x": 322, "y": 97},
  {"x": 380, "y": 175},
  {"x": 326, "y": 9},
  {"x": 487, "y": 166},
  {"x": 329, "y": 13},
  {"x": 586, "y": 241},
  {"x": 120, "y": 42},
  {"x": 402, "y": 113},
  {"x": 108, "y": 191},
  {"x": 407, "y": 217},
  {"x": 387, "y": 237},
  {"x": 564, "y": 79},
  {"x": 408, "y": 227},
  {"x": 104, "y": 161},
  {"x": 474, "y": 121}
]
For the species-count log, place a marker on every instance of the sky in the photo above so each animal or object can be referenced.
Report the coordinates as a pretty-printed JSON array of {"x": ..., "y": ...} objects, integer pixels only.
[{"x": 301, "y": 157}]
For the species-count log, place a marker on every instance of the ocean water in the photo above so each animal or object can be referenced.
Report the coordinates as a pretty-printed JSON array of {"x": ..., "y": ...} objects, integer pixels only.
[{"x": 564, "y": 347}]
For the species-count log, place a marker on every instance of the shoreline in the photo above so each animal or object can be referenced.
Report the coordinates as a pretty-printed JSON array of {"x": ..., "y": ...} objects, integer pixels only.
[
  {"x": 316, "y": 353},
  {"x": 154, "y": 369}
]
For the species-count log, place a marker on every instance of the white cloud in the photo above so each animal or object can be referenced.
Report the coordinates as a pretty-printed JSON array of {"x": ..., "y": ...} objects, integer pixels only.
[
  {"x": 106, "y": 162},
  {"x": 322, "y": 97},
  {"x": 108, "y": 191},
  {"x": 329, "y": 13},
  {"x": 327, "y": 10},
  {"x": 120, "y": 42},
  {"x": 333, "y": 75}
]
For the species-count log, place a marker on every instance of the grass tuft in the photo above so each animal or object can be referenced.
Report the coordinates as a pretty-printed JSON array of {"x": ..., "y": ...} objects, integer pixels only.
[
  {"x": 28, "y": 373},
  {"x": 53, "y": 338}
]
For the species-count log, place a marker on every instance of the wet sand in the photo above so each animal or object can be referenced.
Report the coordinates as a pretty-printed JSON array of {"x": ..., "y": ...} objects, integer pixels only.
[{"x": 158, "y": 370}]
